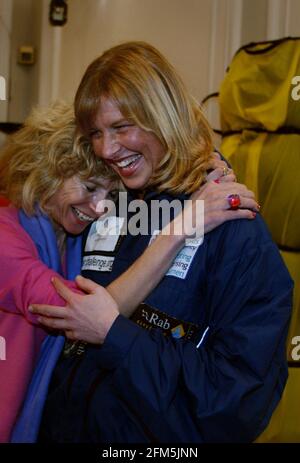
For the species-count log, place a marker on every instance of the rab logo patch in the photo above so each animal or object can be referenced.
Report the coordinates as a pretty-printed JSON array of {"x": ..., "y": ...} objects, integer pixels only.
[
  {"x": 148, "y": 318},
  {"x": 178, "y": 332}
]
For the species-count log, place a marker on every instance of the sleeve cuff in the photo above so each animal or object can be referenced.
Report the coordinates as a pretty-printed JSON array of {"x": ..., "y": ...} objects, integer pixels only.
[{"x": 118, "y": 341}]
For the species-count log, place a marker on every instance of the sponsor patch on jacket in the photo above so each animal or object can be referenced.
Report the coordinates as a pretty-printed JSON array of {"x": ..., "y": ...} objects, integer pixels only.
[
  {"x": 104, "y": 234},
  {"x": 98, "y": 263},
  {"x": 184, "y": 258},
  {"x": 72, "y": 348},
  {"x": 149, "y": 317}
]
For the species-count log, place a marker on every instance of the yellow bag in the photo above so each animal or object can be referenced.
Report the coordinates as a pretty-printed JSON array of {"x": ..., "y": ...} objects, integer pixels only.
[
  {"x": 257, "y": 89},
  {"x": 260, "y": 122}
]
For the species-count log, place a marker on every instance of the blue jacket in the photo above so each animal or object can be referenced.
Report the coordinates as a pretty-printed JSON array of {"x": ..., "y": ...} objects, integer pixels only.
[{"x": 222, "y": 385}]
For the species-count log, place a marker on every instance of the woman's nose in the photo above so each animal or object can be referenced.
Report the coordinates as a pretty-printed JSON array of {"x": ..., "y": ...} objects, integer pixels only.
[
  {"x": 109, "y": 145},
  {"x": 98, "y": 202}
]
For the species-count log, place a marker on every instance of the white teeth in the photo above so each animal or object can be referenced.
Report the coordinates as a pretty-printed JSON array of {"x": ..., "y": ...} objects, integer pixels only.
[
  {"x": 128, "y": 161},
  {"x": 82, "y": 216}
]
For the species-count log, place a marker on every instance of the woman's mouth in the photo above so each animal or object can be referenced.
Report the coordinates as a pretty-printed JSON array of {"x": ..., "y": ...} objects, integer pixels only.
[
  {"x": 127, "y": 166},
  {"x": 81, "y": 216}
]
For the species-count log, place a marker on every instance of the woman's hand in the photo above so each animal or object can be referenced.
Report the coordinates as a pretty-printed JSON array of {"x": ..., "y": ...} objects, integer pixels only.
[
  {"x": 216, "y": 207},
  {"x": 221, "y": 172},
  {"x": 221, "y": 182},
  {"x": 85, "y": 317}
]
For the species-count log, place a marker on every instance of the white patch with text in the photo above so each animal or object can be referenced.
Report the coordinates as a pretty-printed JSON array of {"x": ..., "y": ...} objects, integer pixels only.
[
  {"x": 98, "y": 263},
  {"x": 184, "y": 258},
  {"x": 104, "y": 234}
]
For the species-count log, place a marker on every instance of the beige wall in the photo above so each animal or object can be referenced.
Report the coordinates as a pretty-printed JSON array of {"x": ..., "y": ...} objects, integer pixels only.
[
  {"x": 180, "y": 29},
  {"x": 26, "y": 23},
  {"x": 198, "y": 36},
  {"x": 20, "y": 24},
  {"x": 5, "y": 32}
]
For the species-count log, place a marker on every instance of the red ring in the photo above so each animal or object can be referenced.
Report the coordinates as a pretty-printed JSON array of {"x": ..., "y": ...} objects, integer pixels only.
[{"x": 234, "y": 201}]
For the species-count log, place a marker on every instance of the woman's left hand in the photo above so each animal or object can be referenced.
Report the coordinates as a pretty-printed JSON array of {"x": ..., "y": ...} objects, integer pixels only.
[
  {"x": 85, "y": 317},
  {"x": 221, "y": 172}
]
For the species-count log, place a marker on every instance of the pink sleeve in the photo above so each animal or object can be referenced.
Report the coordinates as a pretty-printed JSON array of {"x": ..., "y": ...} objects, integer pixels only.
[{"x": 24, "y": 279}]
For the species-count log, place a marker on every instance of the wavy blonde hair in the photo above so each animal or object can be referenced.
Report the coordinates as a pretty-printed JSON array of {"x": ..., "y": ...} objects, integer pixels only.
[
  {"x": 37, "y": 159},
  {"x": 148, "y": 91}
]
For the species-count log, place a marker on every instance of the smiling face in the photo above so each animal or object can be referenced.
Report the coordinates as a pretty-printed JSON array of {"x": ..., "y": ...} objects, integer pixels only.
[
  {"x": 73, "y": 206},
  {"x": 132, "y": 152}
]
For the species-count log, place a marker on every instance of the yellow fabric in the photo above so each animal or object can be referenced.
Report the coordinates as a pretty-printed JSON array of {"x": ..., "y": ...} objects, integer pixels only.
[
  {"x": 256, "y": 94},
  {"x": 269, "y": 164},
  {"x": 292, "y": 261},
  {"x": 256, "y": 91},
  {"x": 285, "y": 423}
]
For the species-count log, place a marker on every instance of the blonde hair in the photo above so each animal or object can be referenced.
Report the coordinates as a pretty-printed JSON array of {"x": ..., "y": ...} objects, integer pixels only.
[
  {"x": 37, "y": 159},
  {"x": 148, "y": 91}
]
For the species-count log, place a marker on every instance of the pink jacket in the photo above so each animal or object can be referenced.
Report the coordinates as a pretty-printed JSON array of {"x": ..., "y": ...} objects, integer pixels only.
[{"x": 24, "y": 279}]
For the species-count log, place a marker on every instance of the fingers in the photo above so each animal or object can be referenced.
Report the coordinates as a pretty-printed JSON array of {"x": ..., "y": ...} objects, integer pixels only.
[
  {"x": 238, "y": 188},
  {"x": 214, "y": 191},
  {"x": 248, "y": 203},
  {"x": 57, "y": 324},
  {"x": 234, "y": 188},
  {"x": 62, "y": 289},
  {"x": 217, "y": 217},
  {"x": 223, "y": 204},
  {"x": 200, "y": 193},
  {"x": 70, "y": 334},
  {"x": 216, "y": 155},
  {"x": 49, "y": 310},
  {"x": 216, "y": 161},
  {"x": 228, "y": 178},
  {"x": 53, "y": 317},
  {"x": 220, "y": 173},
  {"x": 240, "y": 214},
  {"x": 86, "y": 285},
  {"x": 214, "y": 175},
  {"x": 215, "y": 195}
]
